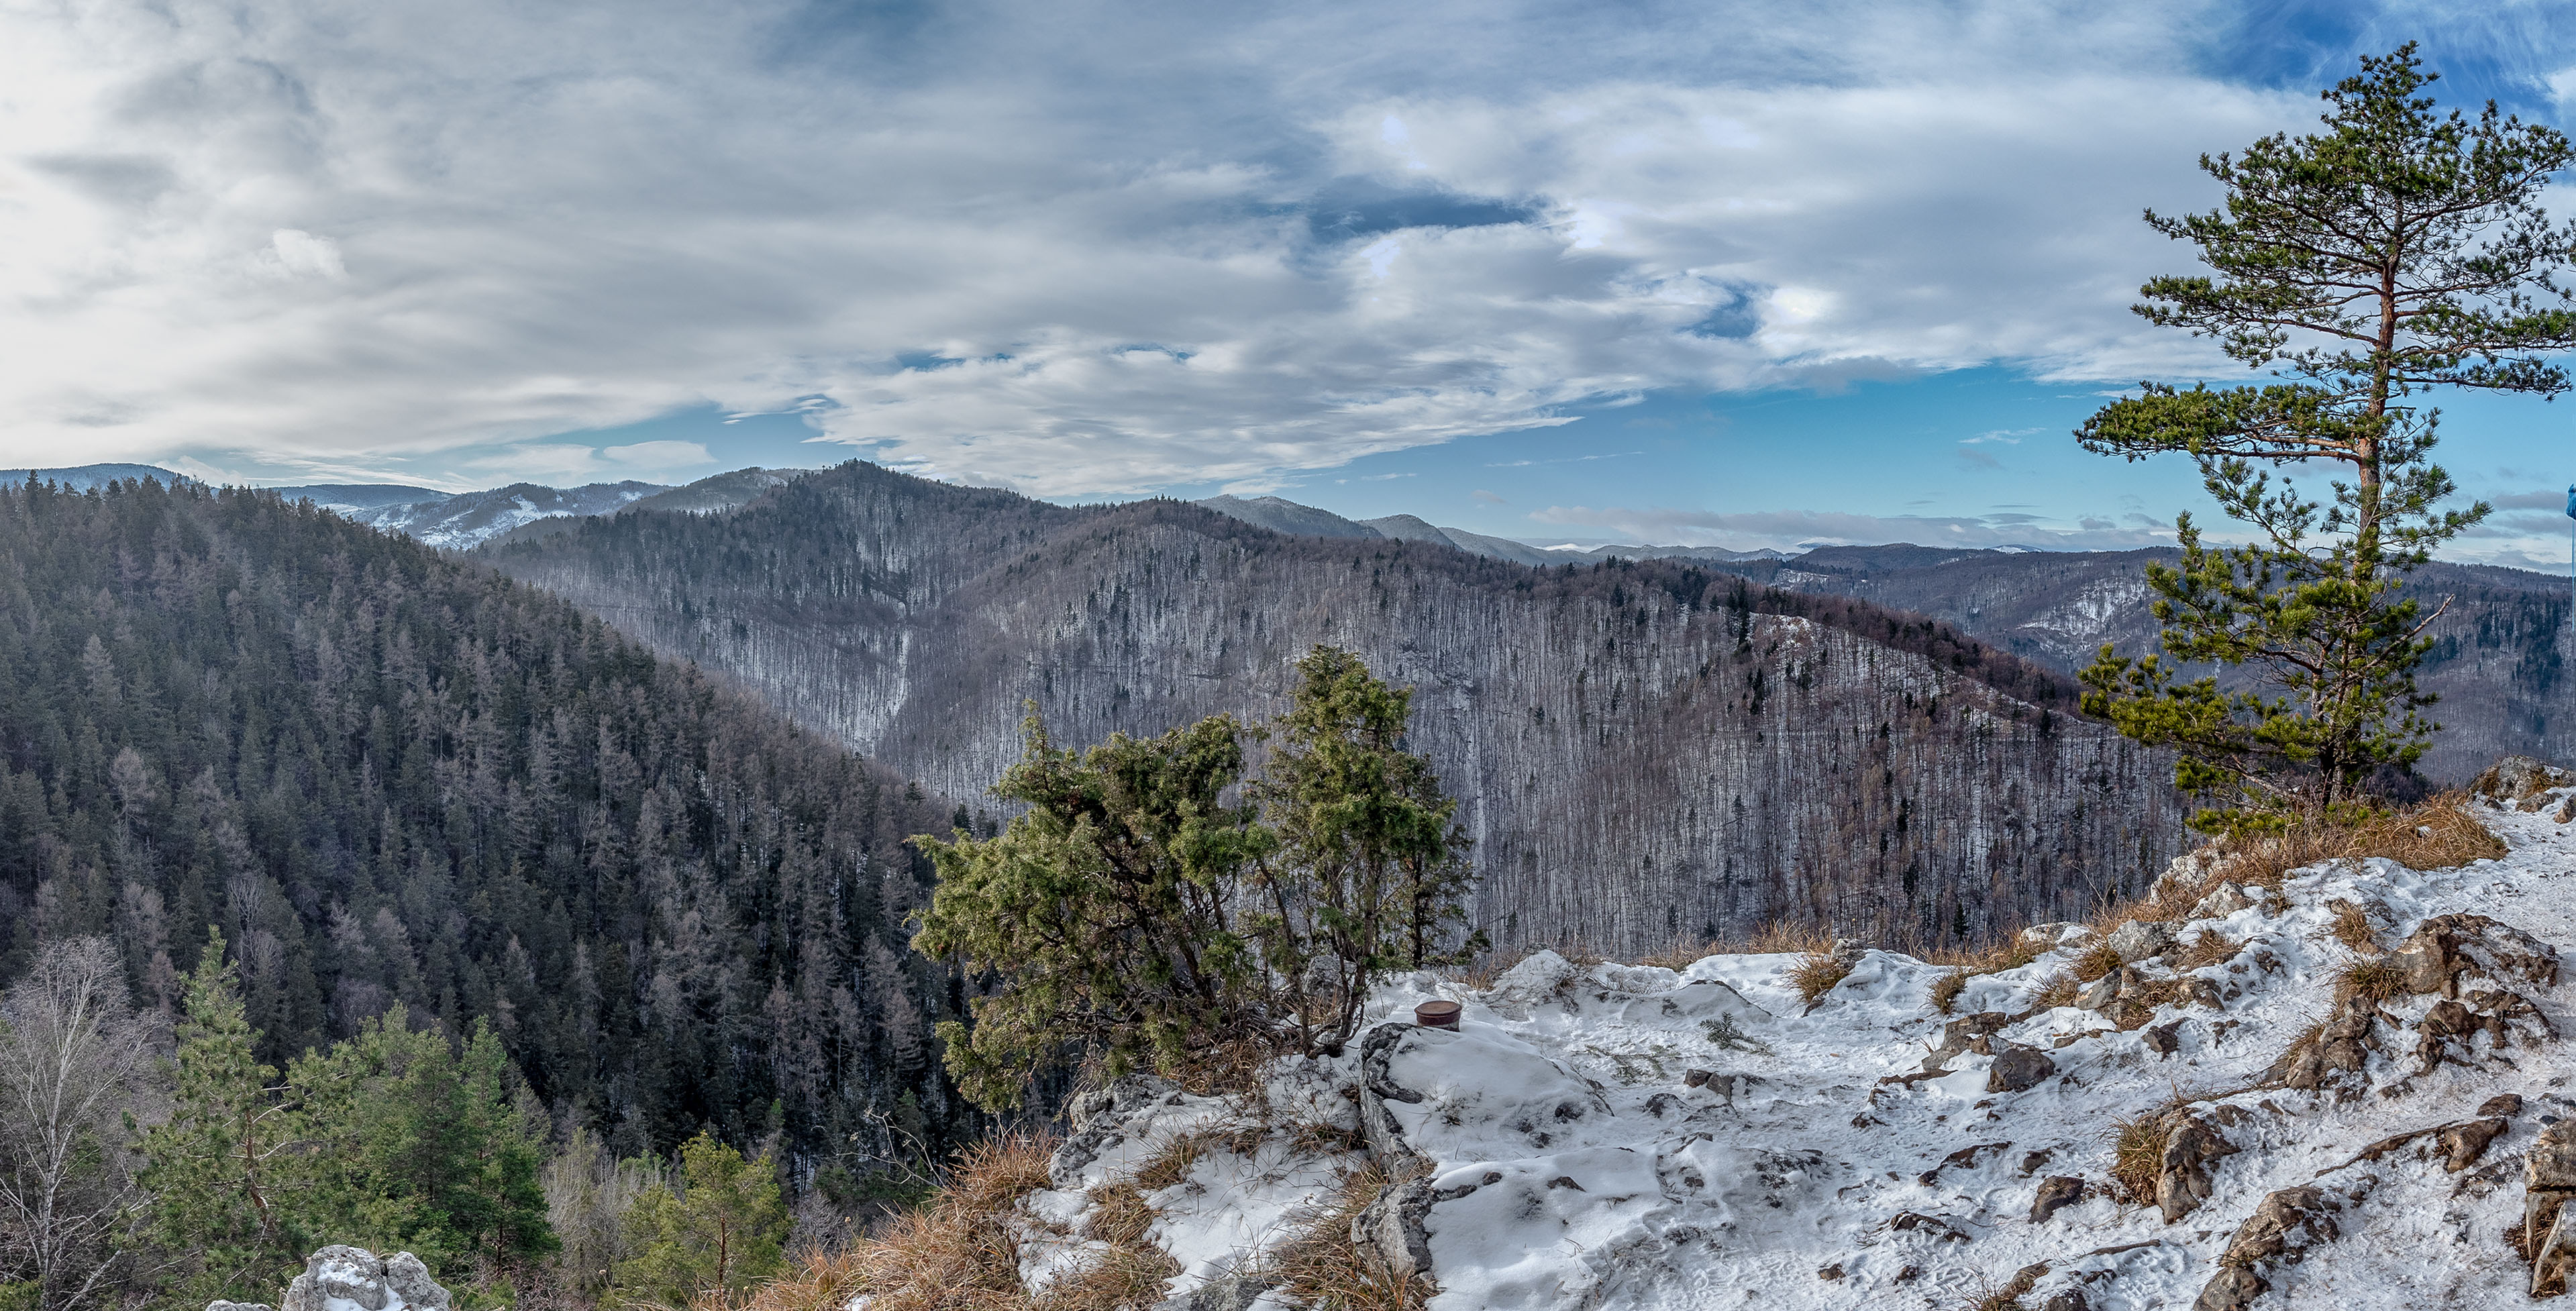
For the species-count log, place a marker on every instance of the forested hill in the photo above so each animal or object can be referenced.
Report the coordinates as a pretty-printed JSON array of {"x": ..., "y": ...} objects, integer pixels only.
[
  {"x": 2500, "y": 642},
  {"x": 1644, "y": 751},
  {"x": 390, "y": 777}
]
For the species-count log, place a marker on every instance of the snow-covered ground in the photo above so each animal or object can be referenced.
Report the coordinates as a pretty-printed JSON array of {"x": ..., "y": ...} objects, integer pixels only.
[{"x": 1635, "y": 1137}]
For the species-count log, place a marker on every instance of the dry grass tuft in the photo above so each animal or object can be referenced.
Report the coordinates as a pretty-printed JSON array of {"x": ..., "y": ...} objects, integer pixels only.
[
  {"x": 1323, "y": 1270},
  {"x": 1126, "y": 1276},
  {"x": 2006, "y": 1296},
  {"x": 1223, "y": 1069},
  {"x": 2210, "y": 947},
  {"x": 2374, "y": 977},
  {"x": 1817, "y": 973},
  {"x": 1119, "y": 1213},
  {"x": 1946, "y": 990},
  {"x": 2138, "y": 1150},
  {"x": 2059, "y": 990},
  {"x": 961, "y": 1253},
  {"x": 2352, "y": 927},
  {"x": 2096, "y": 961}
]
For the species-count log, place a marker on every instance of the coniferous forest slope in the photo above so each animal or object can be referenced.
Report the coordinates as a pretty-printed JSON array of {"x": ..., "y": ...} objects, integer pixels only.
[
  {"x": 392, "y": 777},
  {"x": 1644, "y": 752}
]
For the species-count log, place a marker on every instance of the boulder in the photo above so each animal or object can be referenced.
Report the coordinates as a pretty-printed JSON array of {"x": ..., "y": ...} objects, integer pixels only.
[
  {"x": 2338, "y": 1056},
  {"x": 2183, "y": 1174},
  {"x": 2138, "y": 940},
  {"x": 2017, "y": 1068},
  {"x": 2548, "y": 1180},
  {"x": 2056, "y": 1193},
  {"x": 356, "y": 1276},
  {"x": 2516, "y": 777},
  {"x": 2280, "y": 1231},
  {"x": 2447, "y": 948},
  {"x": 2226, "y": 901}
]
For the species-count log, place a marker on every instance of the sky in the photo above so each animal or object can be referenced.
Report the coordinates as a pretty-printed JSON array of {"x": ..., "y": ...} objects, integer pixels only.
[{"x": 1737, "y": 273}]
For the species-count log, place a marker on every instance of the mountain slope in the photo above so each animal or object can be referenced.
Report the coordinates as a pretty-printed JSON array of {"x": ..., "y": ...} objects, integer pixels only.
[
  {"x": 1645, "y": 752},
  {"x": 391, "y": 776},
  {"x": 2499, "y": 661}
]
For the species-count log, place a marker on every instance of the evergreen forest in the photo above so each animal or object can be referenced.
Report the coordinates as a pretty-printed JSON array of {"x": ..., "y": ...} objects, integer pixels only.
[{"x": 404, "y": 795}]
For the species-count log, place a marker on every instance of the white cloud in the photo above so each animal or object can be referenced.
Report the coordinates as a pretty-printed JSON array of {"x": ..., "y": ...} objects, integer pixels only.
[
  {"x": 506, "y": 222},
  {"x": 305, "y": 254}
]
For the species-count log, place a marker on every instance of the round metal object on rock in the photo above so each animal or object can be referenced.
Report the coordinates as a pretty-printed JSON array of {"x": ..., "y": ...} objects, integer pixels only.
[{"x": 1437, "y": 1015}]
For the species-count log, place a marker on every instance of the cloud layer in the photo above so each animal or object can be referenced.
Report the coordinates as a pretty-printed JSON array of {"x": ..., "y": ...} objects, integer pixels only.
[{"x": 1072, "y": 248}]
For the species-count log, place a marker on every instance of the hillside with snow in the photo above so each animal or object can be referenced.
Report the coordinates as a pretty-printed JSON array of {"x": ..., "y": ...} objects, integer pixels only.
[{"x": 2346, "y": 1090}]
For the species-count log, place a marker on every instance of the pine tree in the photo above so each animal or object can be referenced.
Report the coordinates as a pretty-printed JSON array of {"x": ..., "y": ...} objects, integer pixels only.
[
  {"x": 421, "y": 1148},
  {"x": 2399, "y": 251},
  {"x": 229, "y": 1172},
  {"x": 707, "y": 1236}
]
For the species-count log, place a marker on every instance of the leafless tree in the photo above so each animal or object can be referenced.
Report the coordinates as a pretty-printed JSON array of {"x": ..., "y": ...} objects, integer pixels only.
[{"x": 75, "y": 1059}]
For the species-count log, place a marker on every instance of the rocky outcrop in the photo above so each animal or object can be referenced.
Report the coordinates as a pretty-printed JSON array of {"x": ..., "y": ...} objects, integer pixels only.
[
  {"x": 2515, "y": 778},
  {"x": 2192, "y": 1147},
  {"x": 2280, "y": 1233},
  {"x": 340, "y": 1278},
  {"x": 2449, "y": 949}
]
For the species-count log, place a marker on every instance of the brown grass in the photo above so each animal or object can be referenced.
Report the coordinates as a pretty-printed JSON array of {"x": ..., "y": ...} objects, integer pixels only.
[
  {"x": 1323, "y": 1270},
  {"x": 1946, "y": 990},
  {"x": 2006, "y": 1296},
  {"x": 1817, "y": 973},
  {"x": 2372, "y": 977},
  {"x": 960, "y": 1253},
  {"x": 2210, "y": 947},
  {"x": 2059, "y": 990},
  {"x": 2096, "y": 961},
  {"x": 2138, "y": 1152},
  {"x": 2352, "y": 927},
  {"x": 2442, "y": 833}
]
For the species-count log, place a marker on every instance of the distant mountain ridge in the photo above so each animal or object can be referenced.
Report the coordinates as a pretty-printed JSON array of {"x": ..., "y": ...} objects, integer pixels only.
[{"x": 1285, "y": 516}]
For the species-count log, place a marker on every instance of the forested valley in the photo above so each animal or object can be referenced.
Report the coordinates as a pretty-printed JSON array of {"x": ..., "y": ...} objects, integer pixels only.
[
  {"x": 407, "y": 796},
  {"x": 1645, "y": 752}
]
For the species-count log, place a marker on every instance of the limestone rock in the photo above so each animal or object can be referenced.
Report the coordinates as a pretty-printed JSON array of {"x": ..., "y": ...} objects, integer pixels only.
[
  {"x": 2017, "y": 1068},
  {"x": 2056, "y": 1193},
  {"x": 1392, "y": 1232},
  {"x": 2549, "y": 1179},
  {"x": 2218, "y": 905},
  {"x": 2338, "y": 1056},
  {"x": 2139, "y": 939},
  {"x": 2516, "y": 777},
  {"x": 2183, "y": 1175},
  {"x": 356, "y": 1276},
  {"x": 2449, "y": 947},
  {"x": 2278, "y": 1233},
  {"x": 2504, "y": 1104}
]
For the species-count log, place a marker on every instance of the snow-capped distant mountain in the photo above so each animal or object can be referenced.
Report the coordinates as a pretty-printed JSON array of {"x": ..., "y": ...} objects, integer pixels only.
[{"x": 470, "y": 519}]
